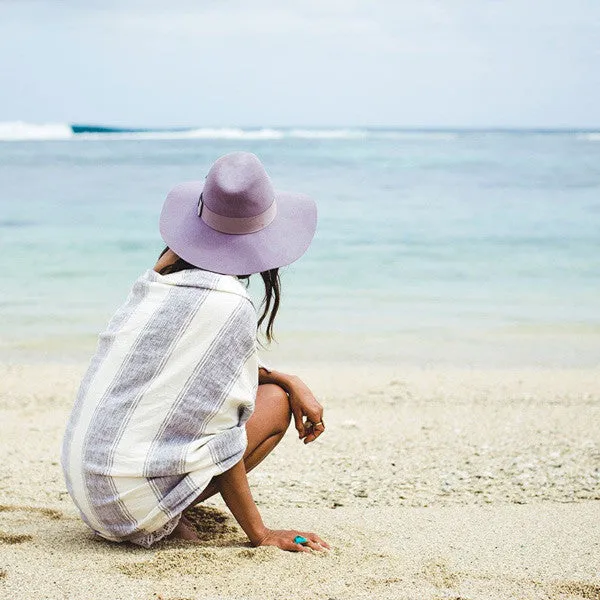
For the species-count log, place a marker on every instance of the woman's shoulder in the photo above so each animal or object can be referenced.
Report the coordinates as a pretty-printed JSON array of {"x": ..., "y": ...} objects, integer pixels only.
[
  {"x": 198, "y": 278},
  {"x": 219, "y": 296}
]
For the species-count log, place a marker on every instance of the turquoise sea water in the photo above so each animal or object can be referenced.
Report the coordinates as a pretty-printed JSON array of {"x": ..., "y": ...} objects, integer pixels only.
[{"x": 432, "y": 247}]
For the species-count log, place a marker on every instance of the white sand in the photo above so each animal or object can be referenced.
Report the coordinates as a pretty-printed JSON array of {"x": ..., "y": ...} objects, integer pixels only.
[{"x": 428, "y": 484}]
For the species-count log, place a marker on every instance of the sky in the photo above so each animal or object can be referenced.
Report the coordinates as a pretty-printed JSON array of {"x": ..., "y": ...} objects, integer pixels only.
[{"x": 377, "y": 63}]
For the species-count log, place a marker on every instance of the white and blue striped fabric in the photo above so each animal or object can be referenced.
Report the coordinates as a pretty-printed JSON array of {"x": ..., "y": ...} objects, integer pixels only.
[{"x": 163, "y": 405}]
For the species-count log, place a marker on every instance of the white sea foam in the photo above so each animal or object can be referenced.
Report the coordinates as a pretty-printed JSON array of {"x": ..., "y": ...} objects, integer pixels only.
[
  {"x": 224, "y": 133},
  {"x": 22, "y": 131},
  {"x": 237, "y": 134},
  {"x": 417, "y": 135},
  {"x": 231, "y": 133},
  {"x": 19, "y": 130},
  {"x": 329, "y": 134},
  {"x": 589, "y": 137}
]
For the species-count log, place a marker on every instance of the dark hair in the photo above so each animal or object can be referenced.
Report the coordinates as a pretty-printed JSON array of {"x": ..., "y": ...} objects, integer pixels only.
[{"x": 270, "y": 279}]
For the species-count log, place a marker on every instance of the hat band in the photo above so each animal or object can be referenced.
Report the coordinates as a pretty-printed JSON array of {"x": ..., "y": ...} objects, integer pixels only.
[{"x": 236, "y": 225}]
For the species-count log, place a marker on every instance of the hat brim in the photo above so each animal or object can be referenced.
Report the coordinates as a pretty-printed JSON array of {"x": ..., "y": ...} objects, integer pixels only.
[{"x": 280, "y": 243}]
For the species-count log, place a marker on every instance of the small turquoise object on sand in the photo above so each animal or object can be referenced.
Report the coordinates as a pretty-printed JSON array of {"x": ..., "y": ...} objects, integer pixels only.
[{"x": 300, "y": 540}]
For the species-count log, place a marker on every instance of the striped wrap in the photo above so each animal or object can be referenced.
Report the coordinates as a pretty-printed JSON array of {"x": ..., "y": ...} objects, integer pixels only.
[{"x": 163, "y": 404}]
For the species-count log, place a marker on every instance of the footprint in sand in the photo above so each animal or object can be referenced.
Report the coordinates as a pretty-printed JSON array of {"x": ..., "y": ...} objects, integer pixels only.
[
  {"x": 51, "y": 513},
  {"x": 210, "y": 523},
  {"x": 192, "y": 561},
  {"x": 214, "y": 528},
  {"x": 12, "y": 538},
  {"x": 589, "y": 591},
  {"x": 19, "y": 538},
  {"x": 438, "y": 574}
]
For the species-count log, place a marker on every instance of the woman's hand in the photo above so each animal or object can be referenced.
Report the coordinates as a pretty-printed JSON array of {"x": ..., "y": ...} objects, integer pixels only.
[
  {"x": 304, "y": 404},
  {"x": 284, "y": 539}
]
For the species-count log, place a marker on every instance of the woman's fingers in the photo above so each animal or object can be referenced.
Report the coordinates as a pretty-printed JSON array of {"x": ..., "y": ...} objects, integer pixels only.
[
  {"x": 322, "y": 542},
  {"x": 299, "y": 423},
  {"x": 314, "y": 546},
  {"x": 310, "y": 430},
  {"x": 318, "y": 428},
  {"x": 315, "y": 431},
  {"x": 314, "y": 413},
  {"x": 316, "y": 541}
]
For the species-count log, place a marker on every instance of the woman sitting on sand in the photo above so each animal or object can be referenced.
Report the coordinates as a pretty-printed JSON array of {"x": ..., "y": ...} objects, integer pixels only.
[{"x": 174, "y": 406}]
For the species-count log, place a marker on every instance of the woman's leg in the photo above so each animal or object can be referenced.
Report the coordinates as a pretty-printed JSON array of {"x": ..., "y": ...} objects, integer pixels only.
[{"x": 264, "y": 429}]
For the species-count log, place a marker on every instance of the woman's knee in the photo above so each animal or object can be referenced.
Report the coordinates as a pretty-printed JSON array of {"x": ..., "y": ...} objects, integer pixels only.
[{"x": 274, "y": 400}]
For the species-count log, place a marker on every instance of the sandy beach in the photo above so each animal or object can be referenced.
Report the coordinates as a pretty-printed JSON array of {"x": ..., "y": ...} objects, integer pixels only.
[
  {"x": 410, "y": 192},
  {"x": 428, "y": 484}
]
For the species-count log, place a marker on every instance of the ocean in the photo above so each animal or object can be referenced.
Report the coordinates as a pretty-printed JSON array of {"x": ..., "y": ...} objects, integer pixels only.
[{"x": 434, "y": 247}]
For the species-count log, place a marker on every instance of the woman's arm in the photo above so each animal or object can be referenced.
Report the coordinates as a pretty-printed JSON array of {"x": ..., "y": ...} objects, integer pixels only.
[
  {"x": 302, "y": 403},
  {"x": 234, "y": 488}
]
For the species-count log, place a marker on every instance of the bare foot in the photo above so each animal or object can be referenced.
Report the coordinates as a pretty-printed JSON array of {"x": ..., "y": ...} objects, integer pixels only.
[{"x": 185, "y": 531}]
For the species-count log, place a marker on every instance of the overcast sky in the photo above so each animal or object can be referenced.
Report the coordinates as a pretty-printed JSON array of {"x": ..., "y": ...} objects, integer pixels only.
[{"x": 407, "y": 63}]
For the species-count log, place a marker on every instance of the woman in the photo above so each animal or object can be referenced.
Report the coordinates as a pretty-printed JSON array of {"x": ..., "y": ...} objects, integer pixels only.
[{"x": 174, "y": 406}]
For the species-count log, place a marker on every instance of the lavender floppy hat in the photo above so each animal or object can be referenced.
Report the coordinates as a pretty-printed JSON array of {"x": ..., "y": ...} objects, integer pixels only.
[{"x": 234, "y": 222}]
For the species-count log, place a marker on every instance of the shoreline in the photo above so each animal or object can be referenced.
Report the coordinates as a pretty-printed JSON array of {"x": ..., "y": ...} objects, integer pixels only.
[{"x": 472, "y": 349}]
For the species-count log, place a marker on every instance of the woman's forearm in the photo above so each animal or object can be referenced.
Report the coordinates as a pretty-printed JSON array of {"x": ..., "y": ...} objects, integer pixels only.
[
  {"x": 234, "y": 488},
  {"x": 283, "y": 380}
]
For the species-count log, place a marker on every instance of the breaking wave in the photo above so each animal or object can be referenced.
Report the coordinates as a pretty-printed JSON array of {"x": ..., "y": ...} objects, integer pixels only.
[{"x": 22, "y": 131}]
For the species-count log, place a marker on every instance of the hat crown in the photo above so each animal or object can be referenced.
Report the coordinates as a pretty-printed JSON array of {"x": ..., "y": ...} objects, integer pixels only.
[{"x": 237, "y": 185}]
